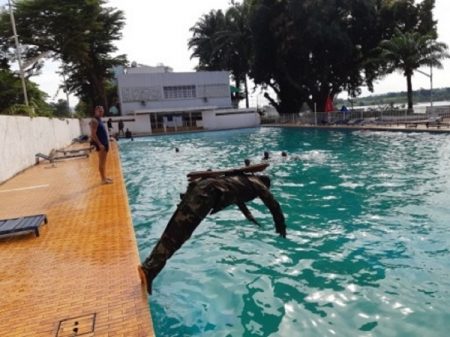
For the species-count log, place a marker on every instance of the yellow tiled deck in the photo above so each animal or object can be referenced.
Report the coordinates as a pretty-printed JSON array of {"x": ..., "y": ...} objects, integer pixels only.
[{"x": 84, "y": 261}]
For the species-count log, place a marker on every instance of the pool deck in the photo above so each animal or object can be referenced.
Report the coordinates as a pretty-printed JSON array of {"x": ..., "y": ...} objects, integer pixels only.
[{"x": 79, "y": 276}]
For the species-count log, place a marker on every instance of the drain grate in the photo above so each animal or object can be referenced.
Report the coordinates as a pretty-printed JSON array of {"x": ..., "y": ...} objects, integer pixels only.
[{"x": 77, "y": 326}]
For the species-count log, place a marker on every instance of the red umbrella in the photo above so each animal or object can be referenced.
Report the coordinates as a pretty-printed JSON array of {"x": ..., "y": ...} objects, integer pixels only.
[{"x": 329, "y": 107}]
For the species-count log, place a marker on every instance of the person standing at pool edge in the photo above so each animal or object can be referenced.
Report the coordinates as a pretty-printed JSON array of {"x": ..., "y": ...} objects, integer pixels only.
[
  {"x": 110, "y": 126},
  {"x": 121, "y": 126},
  {"x": 203, "y": 197},
  {"x": 100, "y": 140}
]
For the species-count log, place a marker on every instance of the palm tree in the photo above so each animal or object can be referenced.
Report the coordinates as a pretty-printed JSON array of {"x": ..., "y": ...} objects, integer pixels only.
[
  {"x": 235, "y": 40},
  {"x": 203, "y": 41},
  {"x": 223, "y": 42},
  {"x": 408, "y": 51}
]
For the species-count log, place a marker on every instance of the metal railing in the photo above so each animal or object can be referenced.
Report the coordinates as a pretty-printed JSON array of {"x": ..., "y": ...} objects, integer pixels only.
[{"x": 361, "y": 117}]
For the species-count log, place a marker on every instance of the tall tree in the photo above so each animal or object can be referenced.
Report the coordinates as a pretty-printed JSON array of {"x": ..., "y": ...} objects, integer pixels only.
[
  {"x": 408, "y": 51},
  {"x": 235, "y": 42},
  {"x": 307, "y": 50},
  {"x": 203, "y": 42},
  {"x": 408, "y": 16},
  {"x": 271, "y": 24},
  {"x": 80, "y": 33},
  {"x": 223, "y": 42}
]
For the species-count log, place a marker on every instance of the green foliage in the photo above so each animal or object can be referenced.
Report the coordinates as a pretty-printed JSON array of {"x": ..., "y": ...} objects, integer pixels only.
[
  {"x": 203, "y": 41},
  {"x": 82, "y": 110},
  {"x": 408, "y": 51},
  {"x": 408, "y": 16},
  {"x": 11, "y": 97},
  {"x": 222, "y": 41},
  {"x": 19, "y": 110},
  {"x": 10, "y": 89},
  {"x": 307, "y": 50},
  {"x": 61, "y": 109},
  {"x": 80, "y": 33}
]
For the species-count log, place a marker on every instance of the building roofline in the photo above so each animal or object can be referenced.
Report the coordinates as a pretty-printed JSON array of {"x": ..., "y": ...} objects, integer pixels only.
[
  {"x": 175, "y": 72},
  {"x": 172, "y": 110}
]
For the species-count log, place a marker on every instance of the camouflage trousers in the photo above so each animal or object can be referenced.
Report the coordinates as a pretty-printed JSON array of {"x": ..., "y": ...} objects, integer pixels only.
[{"x": 194, "y": 207}]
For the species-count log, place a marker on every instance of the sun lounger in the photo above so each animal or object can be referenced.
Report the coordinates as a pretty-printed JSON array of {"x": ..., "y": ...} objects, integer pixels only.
[
  {"x": 53, "y": 157},
  {"x": 436, "y": 121},
  {"x": 413, "y": 124},
  {"x": 71, "y": 151},
  {"x": 81, "y": 139},
  {"x": 356, "y": 121},
  {"x": 23, "y": 224}
]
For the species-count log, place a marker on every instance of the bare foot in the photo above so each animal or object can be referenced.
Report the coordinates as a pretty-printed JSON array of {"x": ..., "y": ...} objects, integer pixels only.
[
  {"x": 107, "y": 181},
  {"x": 144, "y": 282}
]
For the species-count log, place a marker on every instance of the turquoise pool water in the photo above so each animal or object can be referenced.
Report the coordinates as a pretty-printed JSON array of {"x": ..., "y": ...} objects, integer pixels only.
[{"x": 368, "y": 247}]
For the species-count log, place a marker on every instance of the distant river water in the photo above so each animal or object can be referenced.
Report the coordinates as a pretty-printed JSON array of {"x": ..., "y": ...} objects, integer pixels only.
[
  {"x": 368, "y": 246},
  {"x": 418, "y": 108}
]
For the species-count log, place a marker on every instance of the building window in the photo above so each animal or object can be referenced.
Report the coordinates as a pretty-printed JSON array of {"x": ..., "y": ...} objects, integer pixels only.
[{"x": 181, "y": 91}]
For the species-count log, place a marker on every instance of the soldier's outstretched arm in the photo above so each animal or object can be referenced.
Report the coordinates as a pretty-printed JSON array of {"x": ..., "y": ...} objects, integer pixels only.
[
  {"x": 272, "y": 204},
  {"x": 243, "y": 208},
  {"x": 194, "y": 207}
]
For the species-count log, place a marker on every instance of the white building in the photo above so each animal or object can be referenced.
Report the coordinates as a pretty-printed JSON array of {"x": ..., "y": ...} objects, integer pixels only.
[
  {"x": 143, "y": 69},
  {"x": 178, "y": 100},
  {"x": 142, "y": 88}
]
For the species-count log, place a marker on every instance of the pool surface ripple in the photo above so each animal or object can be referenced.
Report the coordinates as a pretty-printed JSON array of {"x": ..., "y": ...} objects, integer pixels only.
[{"x": 368, "y": 246}]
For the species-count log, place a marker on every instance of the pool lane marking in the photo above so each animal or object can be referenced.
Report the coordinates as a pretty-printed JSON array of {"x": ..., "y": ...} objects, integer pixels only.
[{"x": 24, "y": 188}]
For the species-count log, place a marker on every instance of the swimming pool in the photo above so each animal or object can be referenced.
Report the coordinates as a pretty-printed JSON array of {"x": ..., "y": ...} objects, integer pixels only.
[{"x": 368, "y": 246}]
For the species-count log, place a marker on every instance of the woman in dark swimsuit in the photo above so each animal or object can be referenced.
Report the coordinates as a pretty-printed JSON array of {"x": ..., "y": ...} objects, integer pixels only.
[{"x": 100, "y": 140}]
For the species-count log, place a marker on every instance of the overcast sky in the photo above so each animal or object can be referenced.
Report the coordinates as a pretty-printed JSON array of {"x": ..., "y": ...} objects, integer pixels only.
[{"x": 157, "y": 32}]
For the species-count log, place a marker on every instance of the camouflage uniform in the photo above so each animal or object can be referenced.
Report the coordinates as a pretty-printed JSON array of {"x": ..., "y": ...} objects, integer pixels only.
[{"x": 208, "y": 196}]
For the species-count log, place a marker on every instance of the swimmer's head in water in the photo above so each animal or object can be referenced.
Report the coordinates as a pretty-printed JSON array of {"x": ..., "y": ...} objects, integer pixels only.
[
  {"x": 247, "y": 162},
  {"x": 284, "y": 154},
  {"x": 266, "y": 155},
  {"x": 177, "y": 149}
]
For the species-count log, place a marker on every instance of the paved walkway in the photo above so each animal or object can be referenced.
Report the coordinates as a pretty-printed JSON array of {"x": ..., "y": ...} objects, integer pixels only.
[{"x": 79, "y": 277}]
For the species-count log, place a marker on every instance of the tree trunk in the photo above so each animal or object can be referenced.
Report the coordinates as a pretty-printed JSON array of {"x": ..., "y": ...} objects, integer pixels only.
[
  {"x": 246, "y": 92},
  {"x": 98, "y": 83},
  {"x": 272, "y": 101},
  {"x": 320, "y": 99},
  {"x": 237, "y": 83},
  {"x": 410, "y": 92},
  {"x": 238, "y": 94}
]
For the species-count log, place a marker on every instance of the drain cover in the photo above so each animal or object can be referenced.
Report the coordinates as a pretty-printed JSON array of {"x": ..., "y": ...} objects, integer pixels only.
[{"x": 77, "y": 326}]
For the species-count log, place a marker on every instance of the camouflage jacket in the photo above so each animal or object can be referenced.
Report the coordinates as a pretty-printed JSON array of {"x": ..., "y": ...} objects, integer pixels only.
[{"x": 239, "y": 189}]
